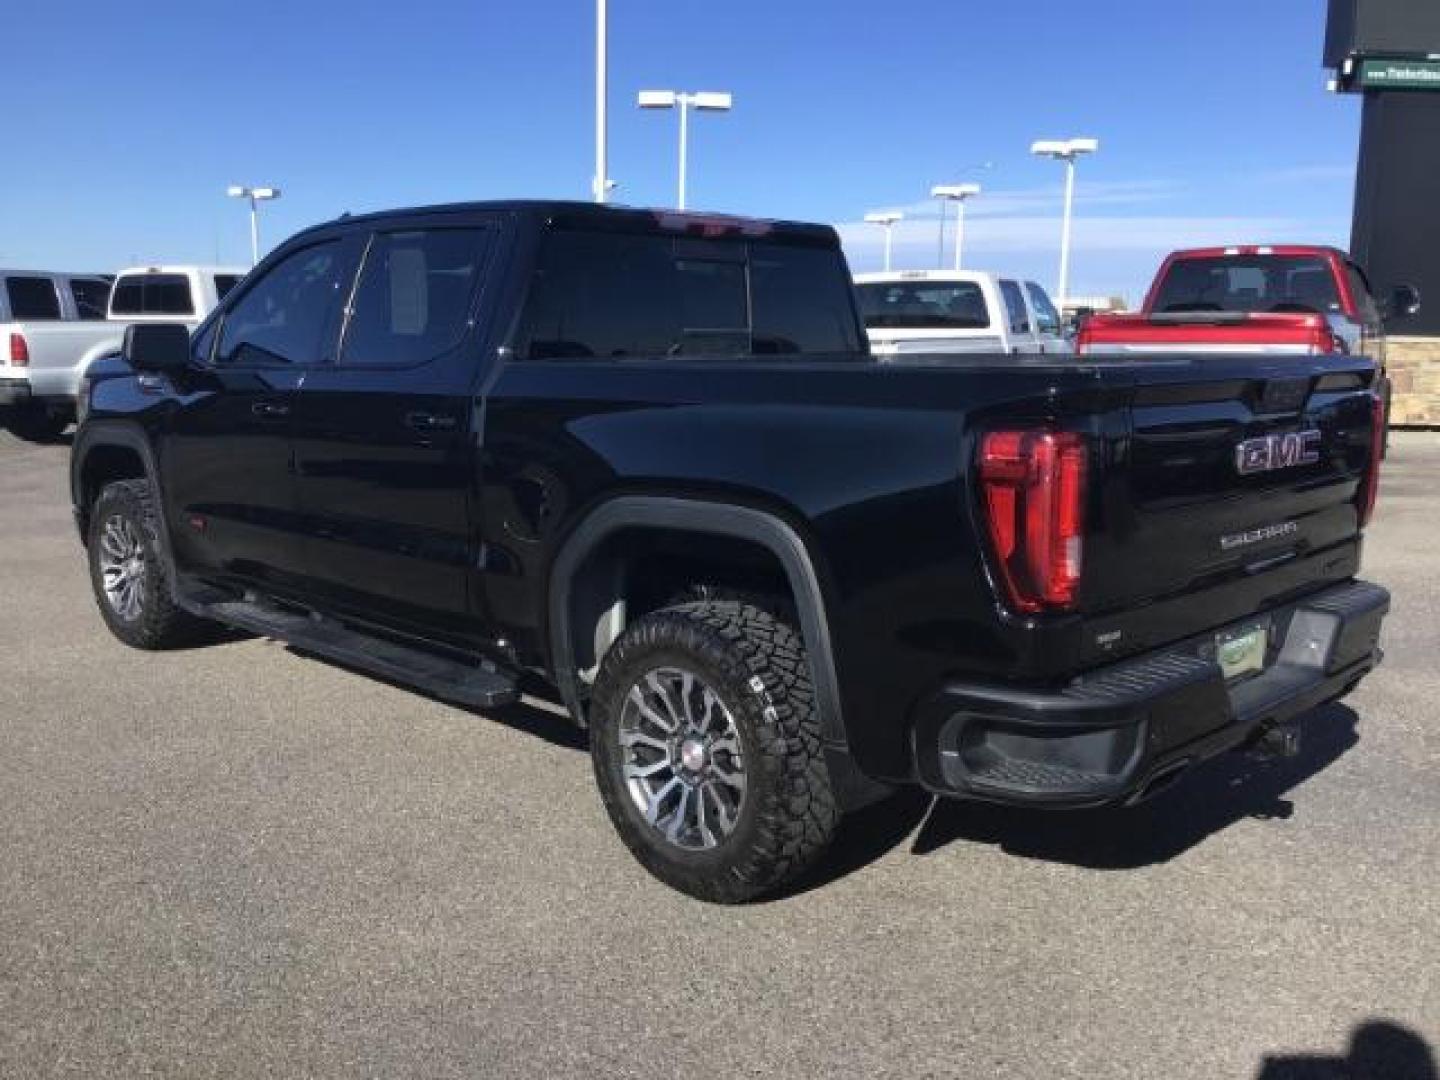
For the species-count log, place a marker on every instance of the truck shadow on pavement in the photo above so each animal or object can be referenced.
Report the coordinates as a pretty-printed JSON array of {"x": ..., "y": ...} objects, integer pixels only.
[
  {"x": 1379, "y": 1050},
  {"x": 1207, "y": 800}
]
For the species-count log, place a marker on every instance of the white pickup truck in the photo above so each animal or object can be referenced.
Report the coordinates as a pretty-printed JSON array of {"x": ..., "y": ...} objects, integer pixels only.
[
  {"x": 911, "y": 312},
  {"x": 54, "y": 326}
]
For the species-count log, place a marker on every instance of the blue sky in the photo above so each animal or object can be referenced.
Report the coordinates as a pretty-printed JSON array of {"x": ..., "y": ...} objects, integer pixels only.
[{"x": 1212, "y": 116}]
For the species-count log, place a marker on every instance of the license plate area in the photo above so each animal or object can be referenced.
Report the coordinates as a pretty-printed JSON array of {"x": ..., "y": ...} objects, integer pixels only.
[{"x": 1242, "y": 650}]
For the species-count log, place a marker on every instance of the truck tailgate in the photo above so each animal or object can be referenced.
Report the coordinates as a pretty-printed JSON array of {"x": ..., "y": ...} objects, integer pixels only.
[
  {"x": 1211, "y": 332},
  {"x": 1238, "y": 485}
]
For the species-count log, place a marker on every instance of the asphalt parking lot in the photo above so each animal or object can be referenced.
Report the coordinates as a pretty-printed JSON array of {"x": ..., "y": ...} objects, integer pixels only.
[{"x": 237, "y": 861}]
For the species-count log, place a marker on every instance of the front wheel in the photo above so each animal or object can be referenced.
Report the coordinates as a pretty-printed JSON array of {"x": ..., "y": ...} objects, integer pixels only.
[
  {"x": 705, "y": 740},
  {"x": 129, "y": 572}
]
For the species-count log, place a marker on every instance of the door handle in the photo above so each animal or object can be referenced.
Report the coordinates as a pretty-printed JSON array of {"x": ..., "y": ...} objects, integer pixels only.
[
  {"x": 424, "y": 421},
  {"x": 270, "y": 410}
]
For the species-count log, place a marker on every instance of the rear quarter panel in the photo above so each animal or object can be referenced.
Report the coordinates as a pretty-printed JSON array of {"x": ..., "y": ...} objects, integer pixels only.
[{"x": 867, "y": 463}]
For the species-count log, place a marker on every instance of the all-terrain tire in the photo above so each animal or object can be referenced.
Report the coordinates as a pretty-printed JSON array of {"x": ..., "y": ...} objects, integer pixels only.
[
  {"x": 126, "y": 508},
  {"x": 755, "y": 663}
]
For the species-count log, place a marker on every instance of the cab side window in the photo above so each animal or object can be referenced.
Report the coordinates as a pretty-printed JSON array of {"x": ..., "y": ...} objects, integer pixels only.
[
  {"x": 32, "y": 299},
  {"x": 1365, "y": 305},
  {"x": 1047, "y": 319},
  {"x": 283, "y": 317},
  {"x": 1015, "y": 308}
]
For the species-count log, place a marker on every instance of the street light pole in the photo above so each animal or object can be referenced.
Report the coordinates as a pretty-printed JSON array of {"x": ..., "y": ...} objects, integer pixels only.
[
  {"x": 1066, "y": 150},
  {"x": 600, "y": 184},
  {"x": 956, "y": 193},
  {"x": 1065, "y": 219},
  {"x": 706, "y": 101},
  {"x": 887, "y": 219},
  {"x": 684, "y": 146},
  {"x": 254, "y": 230},
  {"x": 256, "y": 195}
]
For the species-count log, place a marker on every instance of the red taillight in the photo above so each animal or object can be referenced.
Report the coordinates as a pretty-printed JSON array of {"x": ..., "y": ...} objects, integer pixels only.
[
  {"x": 1322, "y": 340},
  {"x": 19, "y": 351},
  {"x": 1370, "y": 486},
  {"x": 1033, "y": 487}
]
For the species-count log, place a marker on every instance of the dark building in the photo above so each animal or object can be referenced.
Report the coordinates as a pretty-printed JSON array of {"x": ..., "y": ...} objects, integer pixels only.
[{"x": 1389, "y": 51}]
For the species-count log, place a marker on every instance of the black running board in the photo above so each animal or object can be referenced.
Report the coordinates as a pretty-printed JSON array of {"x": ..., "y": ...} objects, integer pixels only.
[{"x": 481, "y": 685}]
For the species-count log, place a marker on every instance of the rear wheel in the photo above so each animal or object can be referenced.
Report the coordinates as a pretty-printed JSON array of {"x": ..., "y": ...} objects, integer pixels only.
[
  {"x": 35, "y": 423},
  {"x": 706, "y": 744},
  {"x": 130, "y": 575}
]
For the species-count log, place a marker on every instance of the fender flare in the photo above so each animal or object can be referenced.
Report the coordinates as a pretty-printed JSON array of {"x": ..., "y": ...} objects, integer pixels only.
[
  {"x": 721, "y": 519},
  {"x": 98, "y": 433}
]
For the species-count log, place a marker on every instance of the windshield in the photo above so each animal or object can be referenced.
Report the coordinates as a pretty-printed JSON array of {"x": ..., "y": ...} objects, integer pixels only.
[
  {"x": 950, "y": 305},
  {"x": 1295, "y": 283}
]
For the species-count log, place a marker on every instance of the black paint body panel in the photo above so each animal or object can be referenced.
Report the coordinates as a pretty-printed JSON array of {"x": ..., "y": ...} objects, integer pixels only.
[{"x": 452, "y": 536}]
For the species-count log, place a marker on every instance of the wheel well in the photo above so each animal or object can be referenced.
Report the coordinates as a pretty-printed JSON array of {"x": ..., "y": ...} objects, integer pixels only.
[
  {"x": 640, "y": 569},
  {"x": 104, "y": 465}
]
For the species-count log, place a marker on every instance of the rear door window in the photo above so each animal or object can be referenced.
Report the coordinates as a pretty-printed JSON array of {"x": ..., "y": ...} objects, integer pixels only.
[
  {"x": 414, "y": 297},
  {"x": 32, "y": 299},
  {"x": 1015, "y": 312},
  {"x": 153, "y": 294},
  {"x": 91, "y": 296}
]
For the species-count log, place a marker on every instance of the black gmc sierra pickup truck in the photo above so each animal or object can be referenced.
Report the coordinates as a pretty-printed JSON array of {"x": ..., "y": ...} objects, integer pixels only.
[{"x": 646, "y": 459}]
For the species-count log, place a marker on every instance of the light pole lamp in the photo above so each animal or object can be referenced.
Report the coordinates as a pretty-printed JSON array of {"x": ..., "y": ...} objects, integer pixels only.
[
  {"x": 256, "y": 195},
  {"x": 705, "y": 100},
  {"x": 956, "y": 193},
  {"x": 886, "y": 218},
  {"x": 1066, "y": 150}
]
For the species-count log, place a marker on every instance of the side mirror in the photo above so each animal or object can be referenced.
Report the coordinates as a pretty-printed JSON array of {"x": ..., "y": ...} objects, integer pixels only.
[
  {"x": 1404, "y": 302},
  {"x": 158, "y": 347}
]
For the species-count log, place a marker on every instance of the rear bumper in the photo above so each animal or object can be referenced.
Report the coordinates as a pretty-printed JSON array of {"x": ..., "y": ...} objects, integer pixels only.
[
  {"x": 1118, "y": 733},
  {"x": 14, "y": 391}
]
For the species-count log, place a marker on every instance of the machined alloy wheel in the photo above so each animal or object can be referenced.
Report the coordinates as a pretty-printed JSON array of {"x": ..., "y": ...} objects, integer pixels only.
[
  {"x": 130, "y": 573},
  {"x": 705, "y": 738},
  {"x": 684, "y": 767},
  {"x": 123, "y": 567}
]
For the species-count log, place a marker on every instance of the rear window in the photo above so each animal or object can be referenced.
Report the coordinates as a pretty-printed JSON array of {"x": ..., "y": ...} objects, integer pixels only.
[
  {"x": 152, "y": 294},
  {"x": 947, "y": 305},
  {"x": 91, "y": 295},
  {"x": 224, "y": 283},
  {"x": 32, "y": 298},
  {"x": 1255, "y": 283},
  {"x": 615, "y": 296}
]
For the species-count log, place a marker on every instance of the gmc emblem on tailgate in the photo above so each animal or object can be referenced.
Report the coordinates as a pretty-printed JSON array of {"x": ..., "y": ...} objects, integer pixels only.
[{"x": 1270, "y": 452}]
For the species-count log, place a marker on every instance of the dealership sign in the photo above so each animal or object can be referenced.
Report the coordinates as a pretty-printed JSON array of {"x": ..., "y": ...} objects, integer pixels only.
[{"x": 1400, "y": 74}]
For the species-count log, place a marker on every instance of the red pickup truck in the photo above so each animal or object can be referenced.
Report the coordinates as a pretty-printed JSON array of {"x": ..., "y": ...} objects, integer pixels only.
[{"x": 1293, "y": 299}]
